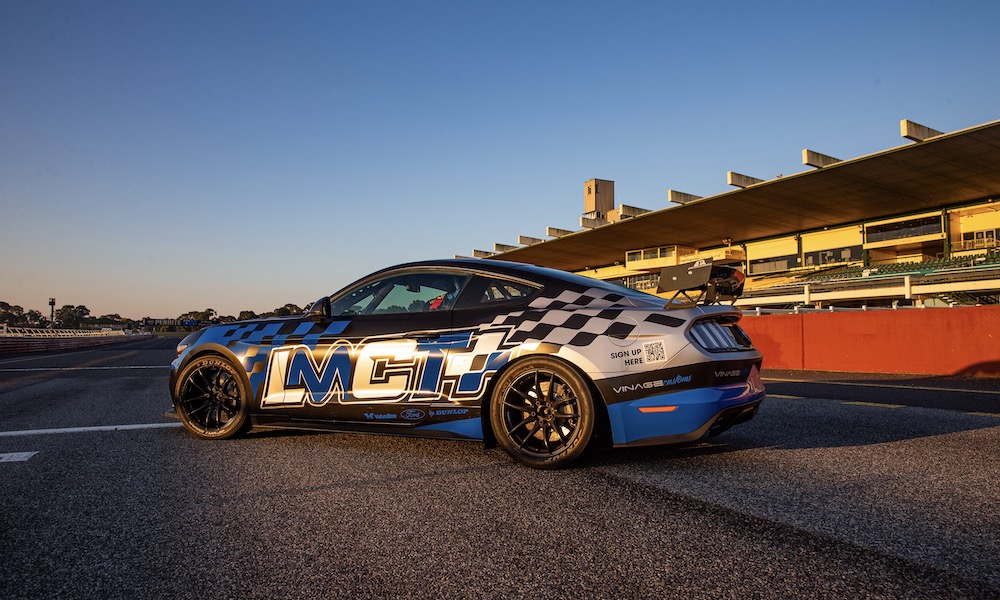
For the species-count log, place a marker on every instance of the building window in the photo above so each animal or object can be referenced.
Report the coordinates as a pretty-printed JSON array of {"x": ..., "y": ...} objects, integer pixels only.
[
  {"x": 903, "y": 229},
  {"x": 774, "y": 264},
  {"x": 833, "y": 256},
  {"x": 976, "y": 240},
  {"x": 640, "y": 282},
  {"x": 650, "y": 253}
]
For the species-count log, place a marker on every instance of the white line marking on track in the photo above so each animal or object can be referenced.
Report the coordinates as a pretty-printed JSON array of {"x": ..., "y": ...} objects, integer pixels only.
[
  {"x": 45, "y": 356},
  {"x": 876, "y": 404},
  {"x": 88, "y": 429},
  {"x": 30, "y": 370},
  {"x": 16, "y": 456},
  {"x": 885, "y": 385}
]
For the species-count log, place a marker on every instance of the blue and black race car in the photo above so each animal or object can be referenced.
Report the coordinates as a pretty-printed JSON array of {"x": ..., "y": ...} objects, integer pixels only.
[{"x": 539, "y": 361}]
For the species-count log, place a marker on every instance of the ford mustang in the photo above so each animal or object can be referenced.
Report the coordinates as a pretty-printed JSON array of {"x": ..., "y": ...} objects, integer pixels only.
[{"x": 541, "y": 362}]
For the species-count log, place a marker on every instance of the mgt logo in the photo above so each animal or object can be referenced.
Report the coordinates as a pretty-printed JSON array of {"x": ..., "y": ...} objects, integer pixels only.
[
  {"x": 377, "y": 372},
  {"x": 385, "y": 371},
  {"x": 295, "y": 375}
]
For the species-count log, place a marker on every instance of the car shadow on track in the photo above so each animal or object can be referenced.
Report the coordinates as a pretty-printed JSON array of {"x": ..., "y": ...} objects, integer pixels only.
[
  {"x": 808, "y": 424},
  {"x": 781, "y": 424}
]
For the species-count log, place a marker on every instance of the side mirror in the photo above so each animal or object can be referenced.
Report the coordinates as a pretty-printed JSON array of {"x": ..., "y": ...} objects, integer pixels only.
[{"x": 320, "y": 310}]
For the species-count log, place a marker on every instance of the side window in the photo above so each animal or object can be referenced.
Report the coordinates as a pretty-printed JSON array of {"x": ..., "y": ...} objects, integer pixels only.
[
  {"x": 488, "y": 291},
  {"x": 409, "y": 293},
  {"x": 356, "y": 301},
  {"x": 503, "y": 291}
]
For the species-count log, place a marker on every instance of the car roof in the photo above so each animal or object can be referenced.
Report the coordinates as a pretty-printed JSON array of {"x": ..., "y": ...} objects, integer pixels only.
[
  {"x": 540, "y": 275},
  {"x": 500, "y": 267}
]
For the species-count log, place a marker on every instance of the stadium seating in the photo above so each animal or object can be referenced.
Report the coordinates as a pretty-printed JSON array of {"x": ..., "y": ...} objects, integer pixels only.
[{"x": 852, "y": 275}]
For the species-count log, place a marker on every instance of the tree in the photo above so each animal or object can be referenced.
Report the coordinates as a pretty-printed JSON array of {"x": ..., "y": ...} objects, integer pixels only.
[
  {"x": 33, "y": 318},
  {"x": 287, "y": 310},
  {"x": 69, "y": 316},
  {"x": 198, "y": 315},
  {"x": 246, "y": 315},
  {"x": 283, "y": 311},
  {"x": 12, "y": 315}
]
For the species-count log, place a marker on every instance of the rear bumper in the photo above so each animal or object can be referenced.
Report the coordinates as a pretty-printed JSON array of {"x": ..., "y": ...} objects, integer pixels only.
[{"x": 683, "y": 416}]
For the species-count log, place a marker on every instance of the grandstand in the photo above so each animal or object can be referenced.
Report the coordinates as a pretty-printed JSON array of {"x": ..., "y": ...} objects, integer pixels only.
[
  {"x": 931, "y": 281},
  {"x": 914, "y": 225}
]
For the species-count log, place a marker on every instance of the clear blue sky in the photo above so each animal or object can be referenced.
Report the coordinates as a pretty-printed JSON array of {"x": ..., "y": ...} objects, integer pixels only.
[{"x": 157, "y": 158}]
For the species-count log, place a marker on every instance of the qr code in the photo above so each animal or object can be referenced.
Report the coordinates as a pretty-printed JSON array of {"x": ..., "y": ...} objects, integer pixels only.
[{"x": 654, "y": 352}]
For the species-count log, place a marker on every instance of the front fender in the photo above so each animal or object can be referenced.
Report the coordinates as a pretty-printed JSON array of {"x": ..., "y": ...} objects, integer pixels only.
[{"x": 203, "y": 349}]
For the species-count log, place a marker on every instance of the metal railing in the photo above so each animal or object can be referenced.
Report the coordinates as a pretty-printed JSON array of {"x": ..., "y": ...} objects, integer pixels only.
[
  {"x": 977, "y": 244},
  {"x": 28, "y": 332},
  {"x": 802, "y": 310}
]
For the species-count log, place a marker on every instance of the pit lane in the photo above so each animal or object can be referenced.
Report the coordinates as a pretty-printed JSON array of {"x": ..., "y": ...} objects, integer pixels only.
[{"x": 843, "y": 485}]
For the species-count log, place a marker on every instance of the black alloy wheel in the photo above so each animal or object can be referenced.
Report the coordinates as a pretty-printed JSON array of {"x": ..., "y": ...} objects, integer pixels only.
[
  {"x": 542, "y": 413},
  {"x": 212, "y": 400}
]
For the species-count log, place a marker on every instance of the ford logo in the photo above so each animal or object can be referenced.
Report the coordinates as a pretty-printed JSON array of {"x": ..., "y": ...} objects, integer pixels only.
[{"x": 412, "y": 414}]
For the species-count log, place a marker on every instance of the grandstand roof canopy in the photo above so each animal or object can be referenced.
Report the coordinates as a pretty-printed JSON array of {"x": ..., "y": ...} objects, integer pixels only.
[{"x": 946, "y": 170}]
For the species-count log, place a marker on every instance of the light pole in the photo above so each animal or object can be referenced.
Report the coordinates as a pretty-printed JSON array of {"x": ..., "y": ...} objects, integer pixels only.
[{"x": 52, "y": 313}]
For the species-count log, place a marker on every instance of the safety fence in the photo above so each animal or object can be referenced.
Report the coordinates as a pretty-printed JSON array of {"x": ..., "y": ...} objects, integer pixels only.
[
  {"x": 29, "y": 332},
  {"x": 805, "y": 310},
  {"x": 19, "y": 340}
]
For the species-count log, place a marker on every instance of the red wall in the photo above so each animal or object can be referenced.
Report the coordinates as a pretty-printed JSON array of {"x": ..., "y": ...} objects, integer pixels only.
[{"x": 936, "y": 341}]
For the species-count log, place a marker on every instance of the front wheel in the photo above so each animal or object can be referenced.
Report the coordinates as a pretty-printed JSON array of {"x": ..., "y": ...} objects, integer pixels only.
[
  {"x": 542, "y": 413},
  {"x": 212, "y": 401}
]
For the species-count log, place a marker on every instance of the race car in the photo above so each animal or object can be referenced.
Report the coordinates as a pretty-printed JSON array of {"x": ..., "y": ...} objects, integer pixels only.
[{"x": 541, "y": 362}]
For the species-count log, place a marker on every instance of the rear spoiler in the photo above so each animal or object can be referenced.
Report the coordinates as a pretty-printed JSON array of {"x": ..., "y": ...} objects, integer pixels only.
[{"x": 700, "y": 282}]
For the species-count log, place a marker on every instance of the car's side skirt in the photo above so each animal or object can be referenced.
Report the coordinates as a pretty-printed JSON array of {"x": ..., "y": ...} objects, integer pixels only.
[{"x": 463, "y": 429}]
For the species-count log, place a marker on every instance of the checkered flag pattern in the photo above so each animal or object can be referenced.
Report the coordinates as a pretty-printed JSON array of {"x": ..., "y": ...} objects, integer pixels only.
[
  {"x": 590, "y": 298},
  {"x": 547, "y": 322}
]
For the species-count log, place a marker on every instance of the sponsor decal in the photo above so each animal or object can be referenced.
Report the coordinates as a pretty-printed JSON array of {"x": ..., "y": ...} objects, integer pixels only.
[
  {"x": 380, "y": 416},
  {"x": 733, "y": 373},
  {"x": 442, "y": 412},
  {"x": 412, "y": 414},
  {"x": 656, "y": 383}
]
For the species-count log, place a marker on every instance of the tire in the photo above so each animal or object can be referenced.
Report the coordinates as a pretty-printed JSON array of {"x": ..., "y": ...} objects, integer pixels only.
[
  {"x": 542, "y": 413},
  {"x": 212, "y": 400}
]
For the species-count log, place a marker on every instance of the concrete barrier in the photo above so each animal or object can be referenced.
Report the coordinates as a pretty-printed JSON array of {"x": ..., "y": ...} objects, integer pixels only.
[
  {"x": 22, "y": 345},
  {"x": 933, "y": 341}
]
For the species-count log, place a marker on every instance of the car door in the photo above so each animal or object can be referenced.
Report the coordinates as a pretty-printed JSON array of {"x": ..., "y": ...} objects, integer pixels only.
[{"x": 382, "y": 367}]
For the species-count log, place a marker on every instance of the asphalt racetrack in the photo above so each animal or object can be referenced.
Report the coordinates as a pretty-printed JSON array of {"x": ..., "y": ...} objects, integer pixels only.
[{"x": 842, "y": 487}]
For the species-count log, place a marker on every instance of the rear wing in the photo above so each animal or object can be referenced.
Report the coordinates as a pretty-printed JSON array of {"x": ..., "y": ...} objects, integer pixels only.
[{"x": 700, "y": 282}]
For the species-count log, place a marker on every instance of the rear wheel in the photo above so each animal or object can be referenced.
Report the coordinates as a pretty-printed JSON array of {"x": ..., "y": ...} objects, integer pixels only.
[
  {"x": 542, "y": 413},
  {"x": 212, "y": 400}
]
